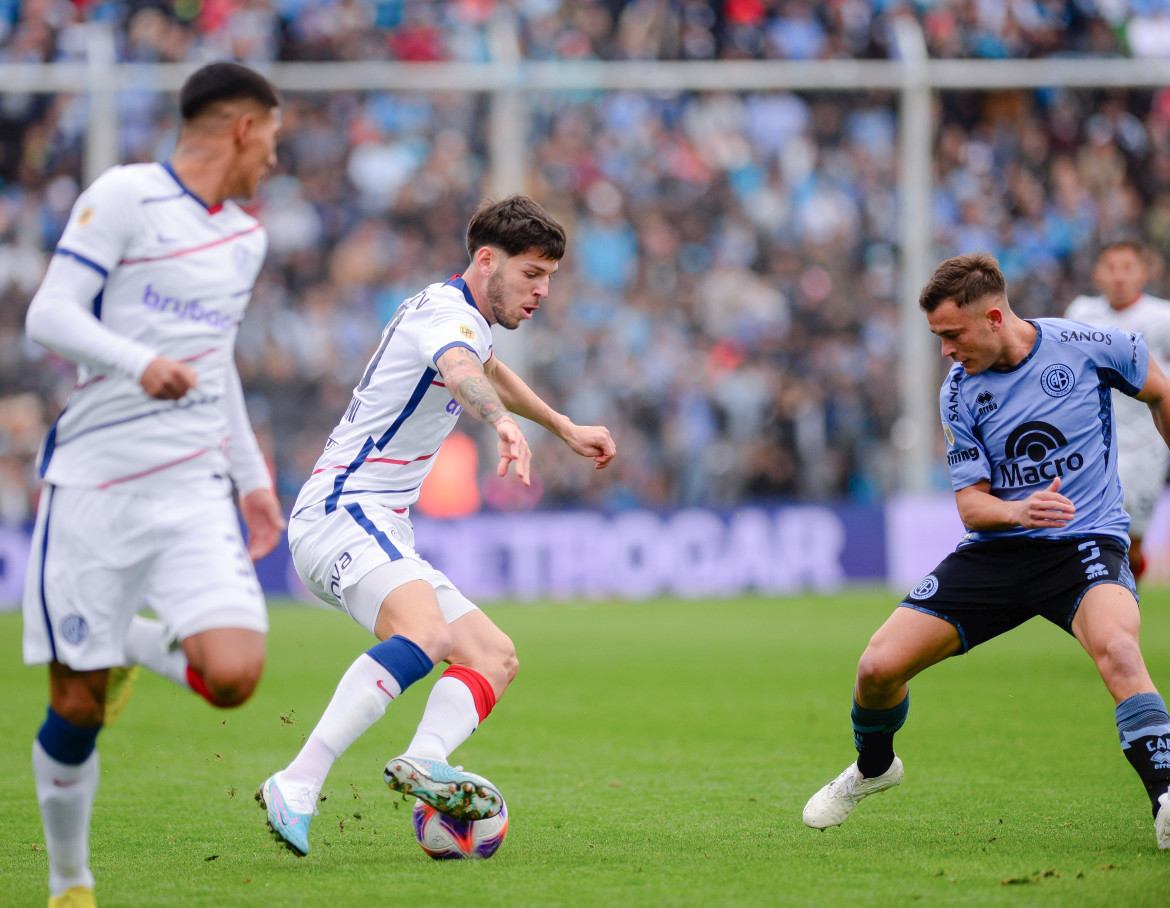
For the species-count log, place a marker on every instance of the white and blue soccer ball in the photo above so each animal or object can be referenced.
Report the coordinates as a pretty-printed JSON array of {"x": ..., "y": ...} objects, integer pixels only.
[{"x": 444, "y": 838}]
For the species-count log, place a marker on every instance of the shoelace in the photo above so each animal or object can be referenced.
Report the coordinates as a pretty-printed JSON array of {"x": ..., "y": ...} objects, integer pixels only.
[{"x": 846, "y": 783}]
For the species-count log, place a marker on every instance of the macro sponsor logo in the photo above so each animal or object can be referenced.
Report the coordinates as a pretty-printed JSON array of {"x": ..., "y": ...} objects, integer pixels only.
[
  {"x": 954, "y": 457},
  {"x": 1097, "y": 337},
  {"x": 986, "y": 401},
  {"x": 1036, "y": 441},
  {"x": 190, "y": 310}
]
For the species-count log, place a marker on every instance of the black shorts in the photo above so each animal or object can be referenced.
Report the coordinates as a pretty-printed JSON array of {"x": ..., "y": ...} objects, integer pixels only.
[{"x": 987, "y": 588}]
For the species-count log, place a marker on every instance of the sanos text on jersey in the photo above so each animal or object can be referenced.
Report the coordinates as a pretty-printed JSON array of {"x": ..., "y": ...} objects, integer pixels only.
[{"x": 1099, "y": 337}]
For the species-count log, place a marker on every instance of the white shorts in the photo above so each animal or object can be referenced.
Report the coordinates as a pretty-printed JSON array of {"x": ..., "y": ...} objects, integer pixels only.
[
  {"x": 1143, "y": 477},
  {"x": 353, "y": 557},
  {"x": 98, "y": 556}
]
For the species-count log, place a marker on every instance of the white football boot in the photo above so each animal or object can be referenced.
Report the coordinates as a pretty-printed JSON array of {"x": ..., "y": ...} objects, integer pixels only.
[
  {"x": 832, "y": 805},
  {"x": 1162, "y": 822}
]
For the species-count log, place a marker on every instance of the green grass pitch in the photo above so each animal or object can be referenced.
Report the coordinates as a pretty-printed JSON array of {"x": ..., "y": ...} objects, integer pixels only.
[{"x": 652, "y": 754}]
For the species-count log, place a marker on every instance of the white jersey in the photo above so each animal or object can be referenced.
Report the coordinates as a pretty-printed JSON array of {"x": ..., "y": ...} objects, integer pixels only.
[
  {"x": 401, "y": 411},
  {"x": 178, "y": 277},
  {"x": 1150, "y": 317}
]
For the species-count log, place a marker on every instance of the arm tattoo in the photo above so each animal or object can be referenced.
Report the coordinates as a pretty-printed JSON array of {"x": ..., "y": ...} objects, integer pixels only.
[{"x": 465, "y": 379}]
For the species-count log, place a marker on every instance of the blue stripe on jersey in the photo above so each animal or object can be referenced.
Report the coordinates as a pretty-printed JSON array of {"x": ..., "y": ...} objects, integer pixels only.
[
  {"x": 166, "y": 165},
  {"x": 44, "y": 555},
  {"x": 183, "y": 404},
  {"x": 356, "y": 512},
  {"x": 49, "y": 446},
  {"x": 461, "y": 285},
  {"x": 443, "y": 350},
  {"x": 1115, "y": 379},
  {"x": 411, "y": 405},
  {"x": 97, "y": 304},
  {"x": 1105, "y": 412},
  {"x": 61, "y": 250}
]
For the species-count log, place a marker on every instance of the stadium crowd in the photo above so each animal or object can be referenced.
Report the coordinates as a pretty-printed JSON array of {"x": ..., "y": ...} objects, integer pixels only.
[{"x": 727, "y": 305}]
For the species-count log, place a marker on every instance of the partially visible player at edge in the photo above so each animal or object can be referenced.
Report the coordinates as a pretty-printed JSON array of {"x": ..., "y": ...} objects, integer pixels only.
[
  {"x": 145, "y": 293},
  {"x": 1121, "y": 273},
  {"x": 352, "y": 541},
  {"x": 1027, "y": 417}
]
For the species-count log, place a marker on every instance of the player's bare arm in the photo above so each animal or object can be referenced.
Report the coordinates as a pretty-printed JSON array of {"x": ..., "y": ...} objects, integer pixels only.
[
  {"x": 982, "y": 511},
  {"x": 264, "y": 519},
  {"x": 588, "y": 441},
  {"x": 1156, "y": 393},
  {"x": 464, "y": 376}
]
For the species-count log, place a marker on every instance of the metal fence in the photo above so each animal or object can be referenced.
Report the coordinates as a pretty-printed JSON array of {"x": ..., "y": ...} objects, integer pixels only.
[{"x": 510, "y": 82}]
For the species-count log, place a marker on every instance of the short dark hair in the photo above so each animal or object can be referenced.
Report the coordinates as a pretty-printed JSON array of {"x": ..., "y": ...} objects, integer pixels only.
[
  {"x": 965, "y": 279},
  {"x": 224, "y": 81},
  {"x": 1122, "y": 241},
  {"x": 515, "y": 225}
]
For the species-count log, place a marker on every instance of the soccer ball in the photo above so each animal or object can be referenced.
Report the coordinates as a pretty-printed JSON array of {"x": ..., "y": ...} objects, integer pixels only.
[{"x": 444, "y": 838}]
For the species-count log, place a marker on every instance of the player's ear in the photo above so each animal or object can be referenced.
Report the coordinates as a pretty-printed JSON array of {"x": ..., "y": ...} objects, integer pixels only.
[
  {"x": 242, "y": 129},
  {"x": 486, "y": 259}
]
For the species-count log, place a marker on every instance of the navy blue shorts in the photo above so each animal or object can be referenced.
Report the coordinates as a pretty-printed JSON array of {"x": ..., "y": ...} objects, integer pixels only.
[{"x": 987, "y": 588}]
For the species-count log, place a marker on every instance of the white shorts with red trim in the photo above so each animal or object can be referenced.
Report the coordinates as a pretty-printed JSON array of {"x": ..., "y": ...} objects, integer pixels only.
[
  {"x": 100, "y": 555},
  {"x": 355, "y": 556}
]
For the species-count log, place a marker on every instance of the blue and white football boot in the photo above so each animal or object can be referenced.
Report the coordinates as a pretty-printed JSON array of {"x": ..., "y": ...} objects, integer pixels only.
[
  {"x": 448, "y": 789},
  {"x": 286, "y": 824}
]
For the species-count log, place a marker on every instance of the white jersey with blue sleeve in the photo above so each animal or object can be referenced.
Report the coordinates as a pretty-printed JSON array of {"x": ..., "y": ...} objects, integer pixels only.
[
  {"x": 1050, "y": 416},
  {"x": 400, "y": 412},
  {"x": 176, "y": 276}
]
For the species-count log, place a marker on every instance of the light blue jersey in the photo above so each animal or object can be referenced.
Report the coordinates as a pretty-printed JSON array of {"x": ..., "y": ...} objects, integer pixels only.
[{"x": 1050, "y": 416}]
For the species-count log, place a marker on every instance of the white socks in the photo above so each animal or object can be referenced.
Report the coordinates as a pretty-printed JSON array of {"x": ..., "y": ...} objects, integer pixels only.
[
  {"x": 361, "y": 698},
  {"x": 65, "y": 794},
  {"x": 448, "y": 720},
  {"x": 147, "y": 645}
]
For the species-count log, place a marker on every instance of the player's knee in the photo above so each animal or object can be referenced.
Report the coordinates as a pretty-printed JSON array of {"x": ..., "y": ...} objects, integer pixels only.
[
  {"x": 1120, "y": 657},
  {"x": 79, "y": 706},
  {"x": 232, "y": 684},
  {"x": 435, "y": 640},
  {"x": 876, "y": 674},
  {"x": 509, "y": 663}
]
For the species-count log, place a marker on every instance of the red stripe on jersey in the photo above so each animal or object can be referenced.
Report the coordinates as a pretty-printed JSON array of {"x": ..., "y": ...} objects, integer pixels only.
[
  {"x": 165, "y": 466},
  {"x": 345, "y": 466},
  {"x": 185, "y": 359},
  {"x": 182, "y": 252}
]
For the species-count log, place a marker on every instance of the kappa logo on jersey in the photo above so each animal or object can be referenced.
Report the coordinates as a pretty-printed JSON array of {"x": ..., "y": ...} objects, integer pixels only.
[
  {"x": 986, "y": 401},
  {"x": 191, "y": 309},
  {"x": 1057, "y": 380},
  {"x": 1036, "y": 441}
]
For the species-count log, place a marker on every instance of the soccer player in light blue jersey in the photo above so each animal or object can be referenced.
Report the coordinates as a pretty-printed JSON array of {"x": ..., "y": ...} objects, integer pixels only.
[{"x": 1032, "y": 451}]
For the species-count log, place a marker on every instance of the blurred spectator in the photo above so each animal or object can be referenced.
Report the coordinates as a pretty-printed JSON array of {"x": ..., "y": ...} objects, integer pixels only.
[{"x": 727, "y": 304}]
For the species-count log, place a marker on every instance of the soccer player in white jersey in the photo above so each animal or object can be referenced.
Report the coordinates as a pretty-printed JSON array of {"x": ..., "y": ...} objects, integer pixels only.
[
  {"x": 145, "y": 293},
  {"x": 351, "y": 538},
  {"x": 1121, "y": 274}
]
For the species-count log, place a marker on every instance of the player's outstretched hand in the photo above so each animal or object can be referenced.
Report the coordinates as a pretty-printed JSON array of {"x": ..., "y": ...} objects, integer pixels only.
[
  {"x": 592, "y": 441},
  {"x": 264, "y": 520},
  {"x": 1046, "y": 508},
  {"x": 167, "y": 379},
  {"x": 514, "y": 449}
]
